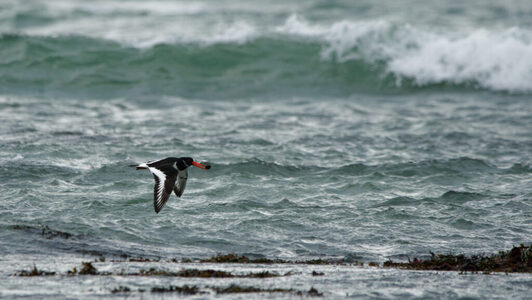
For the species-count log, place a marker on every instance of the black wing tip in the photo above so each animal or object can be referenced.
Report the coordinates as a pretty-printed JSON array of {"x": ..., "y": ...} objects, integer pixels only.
[{"x": 138, "y": 167}]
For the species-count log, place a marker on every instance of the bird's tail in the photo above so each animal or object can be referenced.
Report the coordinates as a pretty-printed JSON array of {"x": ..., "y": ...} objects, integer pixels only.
[{"x": 139, "y": 167}]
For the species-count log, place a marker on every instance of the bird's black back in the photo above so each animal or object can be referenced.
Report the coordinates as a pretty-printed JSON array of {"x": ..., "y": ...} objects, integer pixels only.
[
  {"x": 163, "y": 162},
  {"x": 182, "y": 163}
]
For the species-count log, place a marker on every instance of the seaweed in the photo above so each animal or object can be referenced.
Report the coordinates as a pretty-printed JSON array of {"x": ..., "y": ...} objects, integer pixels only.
[
  {"x": 21, "y": 227},
  {"x": 92, "y": 252},
  {"x": 143, "y": 259},
  {"x": 34, "y": 272},
  {"x": 320, "y": 261},
  {"x": 88, "y": 269},
  {"x": 231, "y": 289},
  {"x": 127, "y": 258},
  {"x": 185, "y": 290},
  {"x": 121, "y": 289},
  {"x": 314, "y": 292},
  {"x": 234, "y": 258},
  {"x": 263, "y": 274},
  {"x": 204, "y": 273},
  {"x": 208, "y": 273},
  {"x": 188, "y": 273},
  {"x": 49, "y": 233},
  {"x": 311, "y": 293},
  {"x": 242, "y": 259},
  {"x": 44, "y": 231},
  {"x": 518, "y": 259},
  {"x": 235, "y": 289}
]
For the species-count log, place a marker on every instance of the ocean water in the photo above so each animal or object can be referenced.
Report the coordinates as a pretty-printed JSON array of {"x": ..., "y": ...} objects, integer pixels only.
[{"x": 364, "y": 131}]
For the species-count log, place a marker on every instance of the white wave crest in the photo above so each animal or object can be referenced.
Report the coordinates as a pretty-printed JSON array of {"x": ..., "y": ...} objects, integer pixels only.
[
  {"x": 498, "y": 60},
  {"x": 134, "y": 23}
]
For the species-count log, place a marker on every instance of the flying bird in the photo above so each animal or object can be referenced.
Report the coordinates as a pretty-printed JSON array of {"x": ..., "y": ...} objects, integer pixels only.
[{"x": 170, "y": 174}]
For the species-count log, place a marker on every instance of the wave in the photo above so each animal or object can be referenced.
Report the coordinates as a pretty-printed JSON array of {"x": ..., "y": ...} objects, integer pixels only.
[
  {"x": 43, "y": 239},
  {"x": 100, "y": 68},
  {"x": 421, "y": 168},
  {"x": 456, "y": 167},
  {"x": 243, "y": 58},
  {"x": 102, "y": 173},
  {"x": 448, "y": 198},
  {"x": 497, "y": 60}
]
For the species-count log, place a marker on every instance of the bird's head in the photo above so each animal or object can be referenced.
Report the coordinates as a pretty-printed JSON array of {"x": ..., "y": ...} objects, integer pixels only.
[{"x": 190, "y": 162}]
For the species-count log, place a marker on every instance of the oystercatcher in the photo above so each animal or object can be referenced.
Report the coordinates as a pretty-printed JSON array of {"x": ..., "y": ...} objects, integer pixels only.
[{"x": 166, "y": 172}]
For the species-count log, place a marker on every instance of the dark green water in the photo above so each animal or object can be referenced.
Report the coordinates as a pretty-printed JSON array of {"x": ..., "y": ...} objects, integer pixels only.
[{"x": 356, "y": 131}]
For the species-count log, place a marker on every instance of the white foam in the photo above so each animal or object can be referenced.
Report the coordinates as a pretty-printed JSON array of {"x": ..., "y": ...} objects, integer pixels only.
[
  {"x": 296, "y": 25},
  {"x": 498, "y": 60},
  {"x": 239, "y": 32},
  {"x": 343, "y": 38},
  {"x": 142, "y": 33},
  {"x": 139, "y": 23}
]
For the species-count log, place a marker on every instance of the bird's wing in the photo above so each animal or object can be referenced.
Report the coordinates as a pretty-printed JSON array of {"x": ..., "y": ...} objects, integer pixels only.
[
  {"x": 161, "y": 163},
  {"x": 164, "y": 182},
  {"x": 179, "y": 188}
]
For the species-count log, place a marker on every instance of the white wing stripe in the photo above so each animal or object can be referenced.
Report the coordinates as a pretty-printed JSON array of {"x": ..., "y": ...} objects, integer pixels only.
[{"x": 162, "y": 179}]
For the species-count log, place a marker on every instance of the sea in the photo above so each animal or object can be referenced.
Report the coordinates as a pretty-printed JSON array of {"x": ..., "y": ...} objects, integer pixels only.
[{"x": 361, "y": 131}]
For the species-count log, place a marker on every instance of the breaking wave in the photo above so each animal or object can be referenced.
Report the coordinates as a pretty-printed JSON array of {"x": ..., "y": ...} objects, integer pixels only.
[
  {"x": 340, "y": 57},
  {"x": 497, "y": 60}
]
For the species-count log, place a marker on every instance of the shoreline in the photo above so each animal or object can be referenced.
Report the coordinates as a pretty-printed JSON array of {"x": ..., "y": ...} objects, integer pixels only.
[{"x": 223, "y": 267}]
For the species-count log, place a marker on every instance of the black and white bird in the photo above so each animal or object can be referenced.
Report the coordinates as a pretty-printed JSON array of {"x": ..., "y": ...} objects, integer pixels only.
[{"x": 170, "y": 174}]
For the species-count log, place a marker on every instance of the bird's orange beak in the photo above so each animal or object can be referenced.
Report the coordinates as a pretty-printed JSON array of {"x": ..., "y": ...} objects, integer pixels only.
[{"x": 197, "y": 164}]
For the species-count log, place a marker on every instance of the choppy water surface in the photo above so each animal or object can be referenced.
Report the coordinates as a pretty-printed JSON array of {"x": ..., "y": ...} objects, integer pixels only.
[{"x": 357, "y": 131}]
